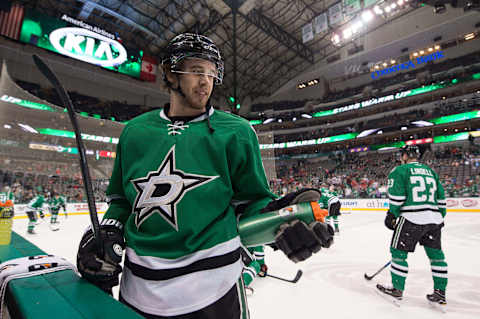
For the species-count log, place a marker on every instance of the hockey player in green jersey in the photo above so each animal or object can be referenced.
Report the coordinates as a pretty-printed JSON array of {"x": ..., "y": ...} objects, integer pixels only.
[
  {"x": 330, "y": 201},
  {"x": 416, "y": 215},
  {"x": 55, "y": 203},
  {"x": 34, "y": 206},
  {"x": 181, "y": 177}
]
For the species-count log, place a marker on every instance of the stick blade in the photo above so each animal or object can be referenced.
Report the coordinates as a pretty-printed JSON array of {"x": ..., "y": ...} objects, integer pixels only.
[
  {"x": 298, "y": 276},
  {"x": 367, "y": 277}
]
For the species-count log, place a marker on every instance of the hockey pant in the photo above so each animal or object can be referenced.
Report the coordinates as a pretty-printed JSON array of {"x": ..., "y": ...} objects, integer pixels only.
[
  {"x": 54, "y": 212},
  {"x": 32, "y": 219}
]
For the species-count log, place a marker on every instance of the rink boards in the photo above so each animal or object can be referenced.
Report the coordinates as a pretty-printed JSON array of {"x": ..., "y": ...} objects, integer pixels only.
[
  {"x": 72, "y": 209},
  {"x": 459, "y": 205},
  {"x": 454, "y": 205}
]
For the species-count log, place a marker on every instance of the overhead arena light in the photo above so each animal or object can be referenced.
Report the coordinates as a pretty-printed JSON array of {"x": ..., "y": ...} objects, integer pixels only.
[
  {"x": 367, "y": 15},
  {"x": 422, "y": 123},
  {"x": 377, "y": 10},
  {"x": 469, "y": 36},
  {"x": 27, "y": 128},
  {"x": 356, "y": 26},
  {"x": 335, "y": 39},
  {"x": 439, "y": 8},
  {"x": 471, "y": 4},
  {"x": 347, "y": 33},
  {"x": 268, "y": 120},
  {"x": 367, "y": 132},
  {"x": 307, "y": 116}
]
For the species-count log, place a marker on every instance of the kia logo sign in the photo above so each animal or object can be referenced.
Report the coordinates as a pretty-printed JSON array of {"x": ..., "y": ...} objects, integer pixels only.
[
  {"x": 469, "y": 202},
  {"x": 88, "y": 46}
]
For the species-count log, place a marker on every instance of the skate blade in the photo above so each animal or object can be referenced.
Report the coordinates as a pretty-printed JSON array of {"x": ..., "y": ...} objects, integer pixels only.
[
  {"x": 439, "y": 307},
  {"x": 389, "y": 298}
]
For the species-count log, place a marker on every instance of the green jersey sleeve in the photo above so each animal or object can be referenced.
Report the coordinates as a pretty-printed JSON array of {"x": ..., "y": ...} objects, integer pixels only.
[
  {"x": 248, "y": 174},
  {"x": 442, "y": 203},
  {"x": 396, "y": 190}
]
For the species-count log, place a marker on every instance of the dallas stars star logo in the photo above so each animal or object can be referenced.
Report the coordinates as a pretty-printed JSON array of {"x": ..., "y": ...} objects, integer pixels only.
[{"x": 162, "y": 190}]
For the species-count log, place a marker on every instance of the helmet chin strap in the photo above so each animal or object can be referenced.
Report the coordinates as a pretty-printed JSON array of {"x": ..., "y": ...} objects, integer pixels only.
[{"x": 178, "y": 89}]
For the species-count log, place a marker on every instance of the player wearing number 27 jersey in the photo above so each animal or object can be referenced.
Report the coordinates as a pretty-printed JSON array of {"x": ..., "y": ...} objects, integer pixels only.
[
  {"x": 415, "y": 193},
  {"x": 417, "y": 209}
]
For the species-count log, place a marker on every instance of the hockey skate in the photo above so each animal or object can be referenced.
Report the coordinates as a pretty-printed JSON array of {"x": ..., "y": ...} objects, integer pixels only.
[
  {"x": 438, "y": 300},
  {"x": 31, "y": 231},
  {"x": 390, "y": 294},
  {"x": 54, "y": 227}
]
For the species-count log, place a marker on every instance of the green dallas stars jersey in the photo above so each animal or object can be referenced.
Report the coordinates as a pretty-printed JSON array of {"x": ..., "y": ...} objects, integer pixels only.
[
  {"x": 174, "y": 187},
  {"x": 415, "y": 192},
  {"x": 36, "y": 203},
  {"x": 56, "y": 202},
  {"x": 327, "y": 199}
]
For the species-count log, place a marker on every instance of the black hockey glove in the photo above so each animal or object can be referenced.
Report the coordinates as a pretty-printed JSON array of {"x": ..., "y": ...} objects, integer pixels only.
[
  {"x": 296, "y": 239},
  {"x": 101, "y": 271},
  {"x": 299, "y": 241},
  {"x": 390, "y": 221}
]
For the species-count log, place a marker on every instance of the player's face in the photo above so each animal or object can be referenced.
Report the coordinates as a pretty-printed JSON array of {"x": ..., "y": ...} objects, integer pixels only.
[{"x": 197, "y": 84}]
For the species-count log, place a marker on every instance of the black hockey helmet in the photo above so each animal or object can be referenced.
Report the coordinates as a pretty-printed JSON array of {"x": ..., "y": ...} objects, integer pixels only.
[
  {"x": 412, "y": 151},
  {"x": 192, "y": 45}
]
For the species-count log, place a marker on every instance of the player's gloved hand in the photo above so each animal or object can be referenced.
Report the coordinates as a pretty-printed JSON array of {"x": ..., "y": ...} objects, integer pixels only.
[
  {"x": 263, "y": 270},
  {"x": 390, "y": 221},
  {"x": 296, "y": 239},
  {"x": 299, "y": 241},
  {"x": 101, "y": 271}
]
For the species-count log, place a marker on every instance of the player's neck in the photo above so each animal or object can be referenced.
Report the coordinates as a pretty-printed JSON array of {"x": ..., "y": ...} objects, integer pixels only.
[{"x": 179, "y": 107}]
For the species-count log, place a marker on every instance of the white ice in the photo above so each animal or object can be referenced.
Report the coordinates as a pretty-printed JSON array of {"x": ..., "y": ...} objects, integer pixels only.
[{"x": 333, "y": 284}]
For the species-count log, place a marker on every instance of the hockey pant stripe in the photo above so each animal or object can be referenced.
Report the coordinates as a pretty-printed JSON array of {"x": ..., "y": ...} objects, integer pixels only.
[
  {"x": 244, "y": 313},
  {"x": 398, "y": 230}
]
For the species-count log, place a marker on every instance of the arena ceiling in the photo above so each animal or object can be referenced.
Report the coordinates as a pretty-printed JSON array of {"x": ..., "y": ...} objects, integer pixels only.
[{"x": 266, "y": 52}]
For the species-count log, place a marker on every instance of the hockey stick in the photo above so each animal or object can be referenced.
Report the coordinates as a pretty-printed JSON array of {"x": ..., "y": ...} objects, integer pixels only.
[
  {"x": 294, "y": 280},
  {"x": 367, "y": 277},
  {"x": 87, "y": 182}
]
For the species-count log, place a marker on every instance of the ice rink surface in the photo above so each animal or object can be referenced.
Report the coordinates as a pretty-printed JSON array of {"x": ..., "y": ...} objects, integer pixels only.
[{"x": 333, "y": 284}]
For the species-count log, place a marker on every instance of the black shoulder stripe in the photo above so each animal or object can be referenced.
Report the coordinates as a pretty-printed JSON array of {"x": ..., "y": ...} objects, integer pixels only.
[{"x": 165, "y": 274}]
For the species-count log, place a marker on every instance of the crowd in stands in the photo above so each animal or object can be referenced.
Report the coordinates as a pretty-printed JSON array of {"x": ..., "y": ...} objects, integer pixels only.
[
  {"x": 351, "y": 175},
  {"x": 354, "y": 176},
  {"x": 30, "y": 178}
]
